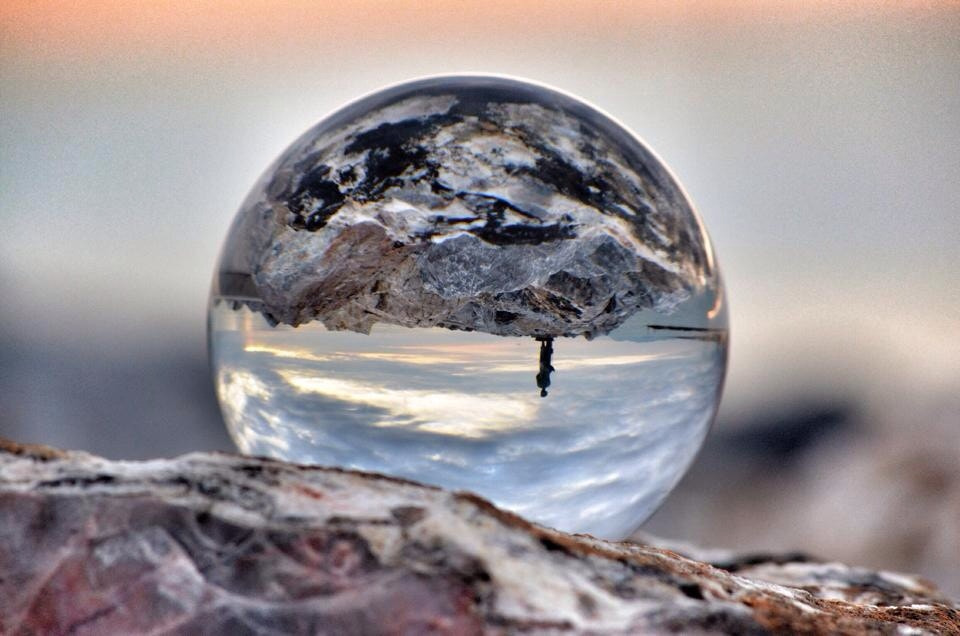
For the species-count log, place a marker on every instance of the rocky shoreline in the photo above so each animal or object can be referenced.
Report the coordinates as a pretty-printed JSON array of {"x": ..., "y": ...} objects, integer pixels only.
[{"x": 217, "y": 543}]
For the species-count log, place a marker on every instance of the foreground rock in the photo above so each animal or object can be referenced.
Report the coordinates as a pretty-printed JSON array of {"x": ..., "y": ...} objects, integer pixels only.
[{"x": 220, "y": 544}]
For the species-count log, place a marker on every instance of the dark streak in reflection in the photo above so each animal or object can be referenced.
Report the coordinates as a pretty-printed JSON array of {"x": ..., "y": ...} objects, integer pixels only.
[
  {"x": 696, "y": 333},
  {"x": 678, "y": 328}
]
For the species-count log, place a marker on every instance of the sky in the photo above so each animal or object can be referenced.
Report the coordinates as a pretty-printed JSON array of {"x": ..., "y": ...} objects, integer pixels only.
[{"x": 818, "y": 140}]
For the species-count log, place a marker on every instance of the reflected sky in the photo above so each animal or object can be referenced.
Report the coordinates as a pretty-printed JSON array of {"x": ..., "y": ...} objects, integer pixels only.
[{"x": 622, "y": 420}]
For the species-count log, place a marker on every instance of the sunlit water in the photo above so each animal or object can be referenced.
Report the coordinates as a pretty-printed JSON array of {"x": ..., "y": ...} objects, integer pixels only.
[{"x": 623, "y": 417}]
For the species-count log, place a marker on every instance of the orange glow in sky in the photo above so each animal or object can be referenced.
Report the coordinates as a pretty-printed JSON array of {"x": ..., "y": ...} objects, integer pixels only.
[{"x": 186, "y": 29}]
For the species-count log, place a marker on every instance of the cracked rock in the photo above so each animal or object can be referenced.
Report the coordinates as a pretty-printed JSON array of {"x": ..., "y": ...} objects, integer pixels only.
[
  {"x": 220, "y": 544},
  {"x": 468, "y": 203}
]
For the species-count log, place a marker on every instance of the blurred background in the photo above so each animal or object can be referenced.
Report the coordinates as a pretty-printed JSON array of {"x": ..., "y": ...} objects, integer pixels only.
[{"x": 820, "y": 141}]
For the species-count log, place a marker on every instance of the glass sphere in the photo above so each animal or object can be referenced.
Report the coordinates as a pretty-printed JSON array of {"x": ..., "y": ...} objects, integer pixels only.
[{"x": 478, "y": 283}]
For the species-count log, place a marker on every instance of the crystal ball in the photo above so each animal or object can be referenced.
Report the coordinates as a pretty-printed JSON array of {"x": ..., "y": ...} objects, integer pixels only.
[{"x": 478, "y": 283}]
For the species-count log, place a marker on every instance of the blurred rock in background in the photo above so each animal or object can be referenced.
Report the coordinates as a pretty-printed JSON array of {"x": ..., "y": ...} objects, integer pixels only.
[{"x": 878, "y": 488}]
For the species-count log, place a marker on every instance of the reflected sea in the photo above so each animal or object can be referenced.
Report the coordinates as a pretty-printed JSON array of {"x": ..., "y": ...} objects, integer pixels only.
[{"x": 622, "y": 418}]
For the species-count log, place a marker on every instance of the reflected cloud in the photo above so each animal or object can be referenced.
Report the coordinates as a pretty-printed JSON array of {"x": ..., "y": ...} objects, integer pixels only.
[
  {"x": 412, "y": 358},
  {"x": 298, "y": 354},
  {"x": 472, "y": 415},
  {"x": 238, "y": 391},
  {"x": 585, "y": 484},
  {"x": 418, "y": 355},
  {"x": 235, "y": 387}
]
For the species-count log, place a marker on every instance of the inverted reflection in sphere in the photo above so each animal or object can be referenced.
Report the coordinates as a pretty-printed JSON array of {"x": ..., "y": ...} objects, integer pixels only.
[{"x": 478, "y": 283}]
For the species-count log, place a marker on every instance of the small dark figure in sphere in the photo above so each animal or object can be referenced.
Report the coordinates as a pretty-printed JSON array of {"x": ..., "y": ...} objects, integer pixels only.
[{"x": 546, "y": 353}]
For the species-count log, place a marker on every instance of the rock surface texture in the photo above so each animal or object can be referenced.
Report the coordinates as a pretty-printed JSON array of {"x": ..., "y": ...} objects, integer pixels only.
[
  {"x": 473, "y": 203},
  {"x": 218, "y": 544}
]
